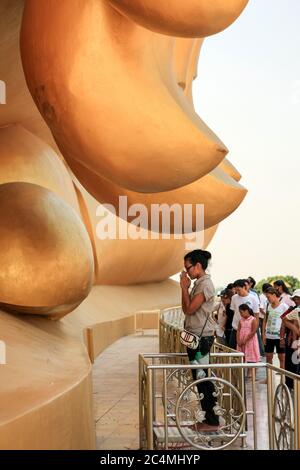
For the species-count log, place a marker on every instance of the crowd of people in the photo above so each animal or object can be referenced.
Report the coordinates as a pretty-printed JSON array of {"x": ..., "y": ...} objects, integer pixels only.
[
  {"x": 261, "y": 324},
  {"x": 256, "y": 324}
]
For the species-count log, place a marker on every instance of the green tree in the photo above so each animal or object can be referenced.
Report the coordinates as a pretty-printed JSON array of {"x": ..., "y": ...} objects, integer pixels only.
[{"x": 291, "y": 281}]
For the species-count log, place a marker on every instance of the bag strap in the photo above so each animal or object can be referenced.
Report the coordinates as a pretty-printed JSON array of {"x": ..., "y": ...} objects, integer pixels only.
[
  {"x": 199, "y": 336},
  {"x": 204, "y": 326}
]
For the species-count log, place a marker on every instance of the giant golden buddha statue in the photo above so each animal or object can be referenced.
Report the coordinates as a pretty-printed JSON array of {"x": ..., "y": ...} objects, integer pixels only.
[{"x": 98, "y": 106}]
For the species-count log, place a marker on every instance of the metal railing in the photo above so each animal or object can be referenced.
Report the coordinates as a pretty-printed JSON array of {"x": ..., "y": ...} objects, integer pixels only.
[
  {"x": 171, "y": 322},
  {"x": 283, "y": 409},
  {"x": 170, "y": 404}
]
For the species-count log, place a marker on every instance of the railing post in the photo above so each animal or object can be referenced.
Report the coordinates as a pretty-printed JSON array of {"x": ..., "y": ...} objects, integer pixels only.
[
  {"x": 165, "y": 408},
  {"x": 141, "y": 402},
  {"x": 243, "y": 393},
  {"x": 149, "y": 409},
  {"x": 270, "y": 406},
  {"x": 297, "y": 413},
  {"x": 154, "y": 390},
  {"x": 230, "y": 393},
  {"x": 160, "y": 333},
  {"x": 253, "y": 373}
]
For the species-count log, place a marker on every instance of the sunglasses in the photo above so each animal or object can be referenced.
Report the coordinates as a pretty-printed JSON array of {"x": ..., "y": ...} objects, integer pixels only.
[{"x": 189, "y": 267}]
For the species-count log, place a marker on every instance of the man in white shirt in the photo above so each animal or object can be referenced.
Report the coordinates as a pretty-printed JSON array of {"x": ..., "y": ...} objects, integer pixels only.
[{"x": 242, "y": 297}]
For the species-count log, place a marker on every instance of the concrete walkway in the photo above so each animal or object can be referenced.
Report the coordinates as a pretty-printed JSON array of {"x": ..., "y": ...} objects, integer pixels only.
[
  {"x": 116, "y": 395},
  {"x": 116, "y": 391}
]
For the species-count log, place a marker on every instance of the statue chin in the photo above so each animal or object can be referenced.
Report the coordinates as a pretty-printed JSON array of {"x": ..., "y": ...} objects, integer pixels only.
[{"x": 191, "y": 18}]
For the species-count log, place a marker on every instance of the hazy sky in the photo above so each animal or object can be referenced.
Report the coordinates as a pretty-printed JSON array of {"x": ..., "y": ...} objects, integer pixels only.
[{"x": 248, "y": 92}]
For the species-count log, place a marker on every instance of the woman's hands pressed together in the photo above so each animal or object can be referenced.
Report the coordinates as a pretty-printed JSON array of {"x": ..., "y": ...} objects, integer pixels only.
[{"x": 185, "y": 281}]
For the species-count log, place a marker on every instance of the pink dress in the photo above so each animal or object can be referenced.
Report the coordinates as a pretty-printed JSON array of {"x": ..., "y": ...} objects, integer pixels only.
[{"x": 251, "y": 348}]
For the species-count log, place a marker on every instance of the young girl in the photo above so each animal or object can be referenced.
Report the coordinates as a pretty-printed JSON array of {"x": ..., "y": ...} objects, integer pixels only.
[{"x": 246, "y": 335}]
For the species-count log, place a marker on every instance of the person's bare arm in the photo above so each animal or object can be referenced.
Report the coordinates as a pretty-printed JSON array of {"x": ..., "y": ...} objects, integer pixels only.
[
  {"x": 190, "y": 306},
  {"x": 256, "y": 312},
  {"x": 291, "y": 326},
  {"x": 282, "y": 334},
  {"x": 253, "y": 331},
  {"x": 261, "y": 310},
  {"x": 238, "y": 335},
  {"x": 263, "y": 332}
]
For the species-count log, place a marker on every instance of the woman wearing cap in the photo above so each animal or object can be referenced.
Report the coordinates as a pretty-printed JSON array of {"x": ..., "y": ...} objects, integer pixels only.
[{"x": 197, "y": 307}]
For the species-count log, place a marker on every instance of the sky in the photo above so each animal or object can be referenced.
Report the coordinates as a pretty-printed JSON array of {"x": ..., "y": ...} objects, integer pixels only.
[{"x": 248, "y": 92}]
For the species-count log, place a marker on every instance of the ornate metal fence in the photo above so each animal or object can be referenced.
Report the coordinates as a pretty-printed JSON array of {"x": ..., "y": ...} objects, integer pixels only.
[
  {"x": 283, "y": 409},
  {"x": 170, "y": 404}
]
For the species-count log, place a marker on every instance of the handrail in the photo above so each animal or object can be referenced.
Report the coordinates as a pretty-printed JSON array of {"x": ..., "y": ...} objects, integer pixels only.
[{"x": 170, "y": 370}]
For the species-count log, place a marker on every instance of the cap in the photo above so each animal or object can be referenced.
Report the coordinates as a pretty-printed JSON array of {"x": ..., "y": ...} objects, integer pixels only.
[{"x": 296, "y": 293}]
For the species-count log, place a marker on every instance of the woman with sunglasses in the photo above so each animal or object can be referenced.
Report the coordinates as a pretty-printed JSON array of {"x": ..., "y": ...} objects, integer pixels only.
[{"x": 197, "y": 307}]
